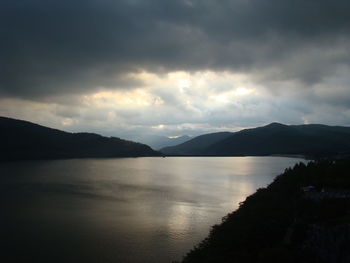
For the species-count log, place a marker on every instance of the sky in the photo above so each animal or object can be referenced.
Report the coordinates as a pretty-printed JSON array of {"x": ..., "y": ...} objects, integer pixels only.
[{"x": 174, "y": 67}]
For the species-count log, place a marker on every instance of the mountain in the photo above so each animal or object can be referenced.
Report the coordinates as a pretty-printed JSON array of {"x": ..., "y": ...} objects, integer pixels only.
[
  {"x": 158, "y": 142},
  {"x": 275, "y": 138},
  {"x": 197, "y": 145},
  {"x": 22, "y": 140}
]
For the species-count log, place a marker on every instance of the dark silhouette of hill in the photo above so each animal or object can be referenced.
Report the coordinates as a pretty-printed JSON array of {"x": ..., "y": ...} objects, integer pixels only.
[
  {"x": 273, "y": 139},
  {"x": 22, "y": 140},
  {"x": 157, "y": 142},
  {"x": 196, "y": 145},
  {"x": 286, "y": 223}
]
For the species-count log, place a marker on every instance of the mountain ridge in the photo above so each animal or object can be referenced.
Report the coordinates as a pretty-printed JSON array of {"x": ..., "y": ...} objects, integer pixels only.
[
  {"x": 158, "y": 142},
  {"x": 24, "y": 140},
  {"x": 275, "y": 138},
  {"x": 198, "y": 143}
]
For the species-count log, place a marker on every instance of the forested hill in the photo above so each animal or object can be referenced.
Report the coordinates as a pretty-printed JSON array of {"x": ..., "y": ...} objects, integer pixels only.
[
  {"x": 303, "y": 216},
  {"x": 197, "y": 145},
  {"x": 22, "y": 140},
  {"x": 275, "y": 138}
]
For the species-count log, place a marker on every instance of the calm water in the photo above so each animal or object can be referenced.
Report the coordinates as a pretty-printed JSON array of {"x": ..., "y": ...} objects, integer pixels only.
[{"x": 122, "y": 210}]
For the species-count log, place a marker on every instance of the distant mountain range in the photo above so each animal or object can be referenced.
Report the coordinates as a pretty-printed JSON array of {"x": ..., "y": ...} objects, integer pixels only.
[
  {"x": 197, "y": 145},
  {"x": 22, "y": 140},
  {"x": 274, "y": 139},
  {"x": 157, "y": 142}
]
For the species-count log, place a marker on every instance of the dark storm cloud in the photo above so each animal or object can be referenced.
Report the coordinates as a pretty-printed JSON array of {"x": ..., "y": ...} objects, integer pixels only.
[{"x": 55, "y": 47}]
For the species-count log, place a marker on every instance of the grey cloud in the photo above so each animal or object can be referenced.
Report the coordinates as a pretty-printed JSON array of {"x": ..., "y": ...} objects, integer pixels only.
[{"x": 58, "y": 47}]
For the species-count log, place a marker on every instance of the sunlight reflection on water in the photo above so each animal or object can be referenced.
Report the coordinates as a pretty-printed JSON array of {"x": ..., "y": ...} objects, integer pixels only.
[{"x": 122, "y": 210}]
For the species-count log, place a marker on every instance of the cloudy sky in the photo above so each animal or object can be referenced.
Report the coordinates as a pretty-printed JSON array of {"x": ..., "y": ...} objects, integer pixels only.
[{"x": 173, "y": 67}]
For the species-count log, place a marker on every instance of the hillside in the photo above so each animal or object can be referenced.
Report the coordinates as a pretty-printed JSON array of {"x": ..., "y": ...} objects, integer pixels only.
[
  {"x": 275, "y": 138},
  {"x": 157, "y": 142},
  {"x": 286, "y": 223},
  {"x": 22, "y": 140},
  {"x": 196, "y": 145}
]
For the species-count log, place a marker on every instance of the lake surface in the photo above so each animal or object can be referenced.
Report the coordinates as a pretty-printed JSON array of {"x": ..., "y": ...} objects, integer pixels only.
[{"x": 121, "y": 210}]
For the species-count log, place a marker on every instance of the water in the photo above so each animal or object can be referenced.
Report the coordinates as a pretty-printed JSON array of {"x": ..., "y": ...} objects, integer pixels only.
[{"x": 121, "y": 210}]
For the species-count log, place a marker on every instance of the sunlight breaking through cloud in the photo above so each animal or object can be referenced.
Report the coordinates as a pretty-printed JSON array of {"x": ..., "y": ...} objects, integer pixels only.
[{"x": 180, "y": 102}]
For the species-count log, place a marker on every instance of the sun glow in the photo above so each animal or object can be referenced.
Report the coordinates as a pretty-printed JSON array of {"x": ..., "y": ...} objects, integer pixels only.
[
  {"x": 243, "y": 91},
  {"x": 158, "y": 127},
  {"x": 133, "y": 98}
]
